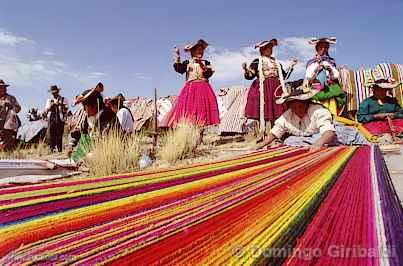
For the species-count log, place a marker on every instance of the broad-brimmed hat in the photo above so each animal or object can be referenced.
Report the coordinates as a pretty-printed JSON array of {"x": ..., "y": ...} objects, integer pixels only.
[
  {"x": 329, "y": 40},
  {"x": 3, "y": 84},
  {"x": 296, "y": 90},
  {"x": 200, "y": 42},
  {"x": 261, "y": 44},
  {"x": 118, "y": 99},
  {"x": 54, "y": 88},
  {"x": 384, "y": 84}
]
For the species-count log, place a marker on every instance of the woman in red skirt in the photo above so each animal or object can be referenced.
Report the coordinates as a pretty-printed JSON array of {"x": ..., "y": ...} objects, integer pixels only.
[
  {"x": 268, "y": 72},
  {"x": 197, "y": 102}
]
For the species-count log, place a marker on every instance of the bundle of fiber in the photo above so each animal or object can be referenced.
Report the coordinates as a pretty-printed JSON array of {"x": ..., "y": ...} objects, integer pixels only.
[
  {"x": 359, "y": 223},
  {"x": 227, "y": 212}
]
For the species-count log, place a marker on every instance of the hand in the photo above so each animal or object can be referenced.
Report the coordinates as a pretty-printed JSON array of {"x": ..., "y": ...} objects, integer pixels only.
[
  {"x": 294, "y": 61},
  {"x": 244, "y": 66},
  {"x": 380, "y": 116},
  {"x": 177, "y": 54},
  {"x": 391, "y": 115},
  {"x": 69, "y": 151},
  {"x": 315, "y": 147}
]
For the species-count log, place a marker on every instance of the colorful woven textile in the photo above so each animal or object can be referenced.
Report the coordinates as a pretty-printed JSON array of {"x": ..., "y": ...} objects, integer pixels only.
[{"x": 230, "y": 212}]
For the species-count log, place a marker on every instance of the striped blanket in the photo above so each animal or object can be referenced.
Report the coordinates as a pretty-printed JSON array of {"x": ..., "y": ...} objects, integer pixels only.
[{"x": 285, "y": 205}]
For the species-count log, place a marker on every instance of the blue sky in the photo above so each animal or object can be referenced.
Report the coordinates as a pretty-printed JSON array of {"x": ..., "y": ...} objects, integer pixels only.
[{"x": 129, "y": 44}]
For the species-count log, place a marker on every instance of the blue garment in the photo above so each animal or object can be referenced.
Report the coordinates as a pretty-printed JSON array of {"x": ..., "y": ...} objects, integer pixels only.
[{"x": 345, "y": 136}]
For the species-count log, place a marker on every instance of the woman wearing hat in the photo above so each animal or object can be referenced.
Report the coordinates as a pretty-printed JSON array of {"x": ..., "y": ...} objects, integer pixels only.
[
  {"x": 380, "y": 113},
  {"x": 9, "y": 121},
  {"x": 270, "y": 77},
  {"x": 322, "y": 74},
  {"x": 56, "y": 108},
  {"x": 197, "y": 102},
  {"x": 308, "y": 124}
]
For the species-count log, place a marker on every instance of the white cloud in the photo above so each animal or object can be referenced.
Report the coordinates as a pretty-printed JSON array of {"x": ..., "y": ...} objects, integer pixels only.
[
  {"x": 10, "y": 39},
  {"x": 144, "y": 76},
  {"x": 227, "y": 63},
  {"x": 28, "y": 66}
]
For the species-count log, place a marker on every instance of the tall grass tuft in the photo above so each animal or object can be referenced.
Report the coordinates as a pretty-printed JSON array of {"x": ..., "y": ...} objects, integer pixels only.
[
  {"x": 179, "y": 142},
  {"x": 114, "y": 154}
]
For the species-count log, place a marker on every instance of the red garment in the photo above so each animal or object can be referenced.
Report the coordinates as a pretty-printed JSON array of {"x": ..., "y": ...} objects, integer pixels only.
[
  {"x": 382, "y": 127},
  {"x": 196, "y": 103},
  {"x": 272, "y": 111}
]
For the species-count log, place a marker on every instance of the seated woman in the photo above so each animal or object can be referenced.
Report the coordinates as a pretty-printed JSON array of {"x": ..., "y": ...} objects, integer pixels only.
[
  {"x": 308, "y": 124},
  {"x": 380, "y": 113}
]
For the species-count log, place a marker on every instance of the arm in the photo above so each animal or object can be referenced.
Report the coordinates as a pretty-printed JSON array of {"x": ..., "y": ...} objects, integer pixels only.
[
  {"x": 208, "y": 72},
  {"x": 287, "y": 74},
  {"x": 333, "y": 71},
  {"x": 326, "y": 128},
  {"x": 278, "y": 130},
  {"x": 363, "y": 114},
  {"x": 181, "y": 67},
  {"x": 326, "y": 138},
  {"x": 14, "y": 104},
  {"x": 267, "y": 141},
  {"x": 251, "y": 72}
]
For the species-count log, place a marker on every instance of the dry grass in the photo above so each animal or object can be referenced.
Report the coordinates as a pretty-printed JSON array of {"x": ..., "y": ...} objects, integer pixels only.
[
  {"x": 179, "y": 143},
  {"x": 113, "y": 154},
  {"x": 35, "y": 151}
]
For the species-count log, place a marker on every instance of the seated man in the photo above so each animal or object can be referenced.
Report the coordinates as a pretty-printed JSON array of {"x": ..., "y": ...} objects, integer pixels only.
[
  {"x": 308, "y": 124},
  {"x": 380, "y": 113}
]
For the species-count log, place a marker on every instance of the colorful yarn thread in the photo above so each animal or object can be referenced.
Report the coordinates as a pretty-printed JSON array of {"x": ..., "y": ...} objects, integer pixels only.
[{"x": 229, "y": 212}]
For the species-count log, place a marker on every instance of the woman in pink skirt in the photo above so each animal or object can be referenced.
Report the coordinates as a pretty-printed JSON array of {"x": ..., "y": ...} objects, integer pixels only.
[
  {"x": 269, "y": 72},
  {"x": 197, "y": 102}
]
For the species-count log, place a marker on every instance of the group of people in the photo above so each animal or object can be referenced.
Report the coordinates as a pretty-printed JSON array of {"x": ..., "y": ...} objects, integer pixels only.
[
  {"x": 297, "y": 112},
  {"x": 300, "y": 111}
]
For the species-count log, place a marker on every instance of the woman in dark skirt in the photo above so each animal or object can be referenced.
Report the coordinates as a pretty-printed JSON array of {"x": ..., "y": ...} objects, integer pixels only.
[{"x": 269, "y": 73}]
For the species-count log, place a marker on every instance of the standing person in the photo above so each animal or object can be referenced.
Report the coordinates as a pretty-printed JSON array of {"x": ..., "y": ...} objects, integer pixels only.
[
  {"x": 197, "y": 102},
  {"x": 123, "y": 114},
  {"x": 9, "y": 121},
  {"x": 56, "y": 109},
  {"x": 322, "y": 74},
  {"x": 270, "y": 77}
]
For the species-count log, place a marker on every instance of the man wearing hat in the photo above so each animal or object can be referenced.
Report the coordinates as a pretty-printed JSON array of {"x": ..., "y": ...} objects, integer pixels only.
[
  {"x": 9, "y": 121},
  {"x": 380, "y": 113},
  {"x": 308, "y": 124},
  {"x": 98, "y": 119},
  {"x": 56, "y": 109}
]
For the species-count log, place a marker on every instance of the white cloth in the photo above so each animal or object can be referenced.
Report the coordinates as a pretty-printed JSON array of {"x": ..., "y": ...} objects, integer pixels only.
[
  {"x": 311, "y": 69},
  {"x": 317, "y": 120},
  {"x": 125, "y": 120}
]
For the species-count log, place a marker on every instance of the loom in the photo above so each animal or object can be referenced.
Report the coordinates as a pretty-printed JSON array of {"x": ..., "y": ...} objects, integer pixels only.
[{"x": 290, "y": 206}]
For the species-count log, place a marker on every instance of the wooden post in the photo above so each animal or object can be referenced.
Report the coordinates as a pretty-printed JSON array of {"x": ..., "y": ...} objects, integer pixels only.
[{"x": 155, "y": 134}]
